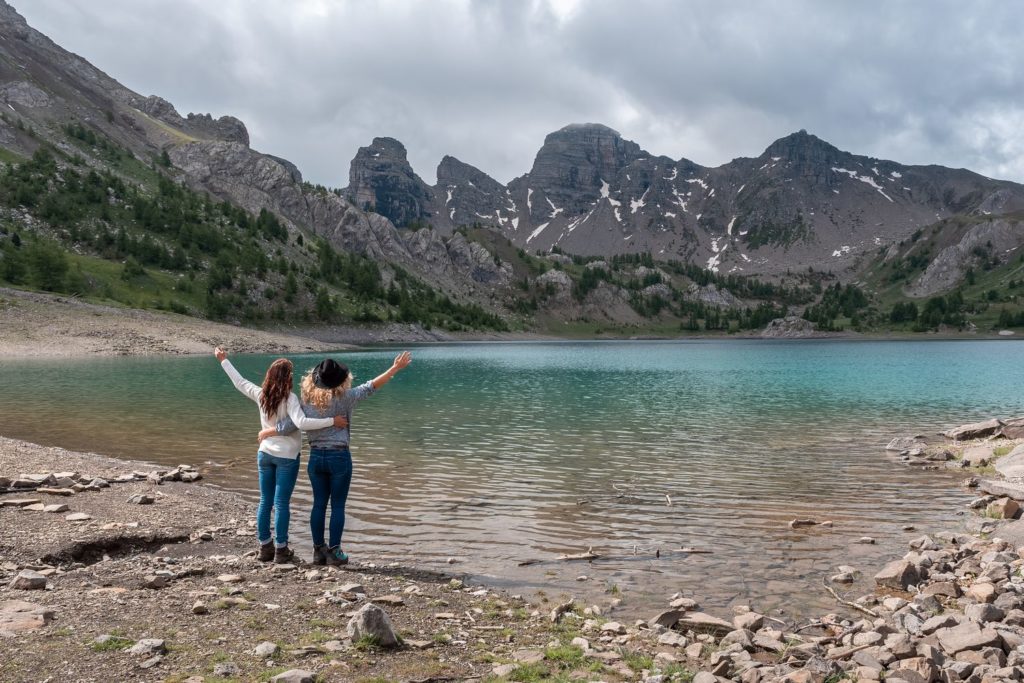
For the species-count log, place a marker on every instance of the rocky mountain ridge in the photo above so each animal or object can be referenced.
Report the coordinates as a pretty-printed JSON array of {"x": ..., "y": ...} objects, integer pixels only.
[
  {"x": 591, "y": 192},
  {"x": 45, "y": 87}
]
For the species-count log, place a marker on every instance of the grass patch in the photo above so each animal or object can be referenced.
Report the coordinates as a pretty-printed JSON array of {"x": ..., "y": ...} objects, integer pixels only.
[
  {"x": 637, "y": 661},
  {"x": 565, "y": 656},
  {"x": 1000, "y": 451},
  {"x": 114, "y": 643},
  {"x": 366, "y": 643}
]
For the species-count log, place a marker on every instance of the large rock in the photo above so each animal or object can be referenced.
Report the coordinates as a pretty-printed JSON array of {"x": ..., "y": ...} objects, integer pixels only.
[
  {"x": 28, "y": 580},
  {"x": 976, "y": 430},
  {"x": 17, "y": 615},
  {"x": 966, "y": 636},
  {"x": 1011, "y": 466},
  {"x": 790, "y": 327},
  {"x": 978, "y": 456},
  {"x": 898, "y": 574},
  {"x": 705, "y": 623},
  {"x": 372, "y": 621},
  {"x": 1008, "y": 489},
  {"x": 1013, "y": 428}
]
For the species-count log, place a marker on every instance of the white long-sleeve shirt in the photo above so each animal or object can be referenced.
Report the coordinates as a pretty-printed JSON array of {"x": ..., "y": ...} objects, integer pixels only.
[{"x": 286, "y": 445}]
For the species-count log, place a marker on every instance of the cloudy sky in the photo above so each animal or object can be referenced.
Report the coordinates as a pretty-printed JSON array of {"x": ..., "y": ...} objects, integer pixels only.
[{"x": 925, "y": 81}]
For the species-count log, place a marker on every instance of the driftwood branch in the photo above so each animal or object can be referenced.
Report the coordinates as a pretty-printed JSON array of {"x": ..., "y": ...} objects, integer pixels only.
[{"x": 847, "y": 603}]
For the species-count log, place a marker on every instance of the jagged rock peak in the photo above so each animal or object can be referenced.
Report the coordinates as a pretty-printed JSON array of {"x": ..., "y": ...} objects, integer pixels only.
[
  {"x": 388, "y": 148},
  {"x": 226, "y": 128},
  {"x": 801, "y": 145},
  {"x": 451, "y": 171},
  {"x": 579, "y": 157},
  {"x": 13, "y": 23},
  {"x": 380, "y": 177}
]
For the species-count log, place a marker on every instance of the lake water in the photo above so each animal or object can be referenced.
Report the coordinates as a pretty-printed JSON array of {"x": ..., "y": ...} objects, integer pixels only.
[{"x": 497, "y": 454}]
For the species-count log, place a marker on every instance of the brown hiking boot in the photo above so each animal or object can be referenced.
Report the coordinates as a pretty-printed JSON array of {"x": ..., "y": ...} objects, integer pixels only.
[
  {"x": 283, "y": 555},
  {"x": 266, "y": 551}
]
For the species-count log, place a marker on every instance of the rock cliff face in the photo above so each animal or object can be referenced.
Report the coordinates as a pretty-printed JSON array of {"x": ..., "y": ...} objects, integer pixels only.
[
  {"x": 802, "y": 201},
  {"x": 381, "y": 179},
  {"x": 992, "y": 240}
]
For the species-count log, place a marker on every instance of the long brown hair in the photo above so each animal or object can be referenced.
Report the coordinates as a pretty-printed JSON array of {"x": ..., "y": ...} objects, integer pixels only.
[{"x": 276, "y": 386}]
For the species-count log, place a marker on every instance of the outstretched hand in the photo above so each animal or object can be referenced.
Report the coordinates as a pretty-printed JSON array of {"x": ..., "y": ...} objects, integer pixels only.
[
  {"x": 402, "y": 360},
  {"x": 221, "y": 356}
]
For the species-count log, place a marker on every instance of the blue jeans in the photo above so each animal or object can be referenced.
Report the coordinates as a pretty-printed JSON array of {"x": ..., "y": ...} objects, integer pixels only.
[
  {"x": 330, "y": 474},
  {"x": 277, "y": 481}
]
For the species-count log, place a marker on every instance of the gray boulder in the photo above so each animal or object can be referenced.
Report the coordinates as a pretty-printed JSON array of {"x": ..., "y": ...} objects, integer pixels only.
[{"x": 372, "y": 621}]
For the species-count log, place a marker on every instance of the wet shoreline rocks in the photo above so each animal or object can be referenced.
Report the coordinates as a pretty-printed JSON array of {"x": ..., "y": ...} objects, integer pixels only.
[{"x": 142, "y": 591}]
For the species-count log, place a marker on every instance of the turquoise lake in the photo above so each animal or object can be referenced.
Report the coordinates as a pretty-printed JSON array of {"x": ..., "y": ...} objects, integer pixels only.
[{"x": 502, "y": 453}]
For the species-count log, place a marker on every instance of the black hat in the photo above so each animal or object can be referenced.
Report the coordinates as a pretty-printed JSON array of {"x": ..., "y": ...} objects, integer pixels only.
[{"x": 329, "y": 374}]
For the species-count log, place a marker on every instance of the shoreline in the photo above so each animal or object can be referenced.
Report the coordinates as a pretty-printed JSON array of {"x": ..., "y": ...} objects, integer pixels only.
[
  {"x": 127, "y": 561},
  {"x": 37, "y": 325}
]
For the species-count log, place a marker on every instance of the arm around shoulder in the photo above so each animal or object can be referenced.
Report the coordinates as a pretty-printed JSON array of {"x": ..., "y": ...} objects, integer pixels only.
[{"x": 301, "y": 420}]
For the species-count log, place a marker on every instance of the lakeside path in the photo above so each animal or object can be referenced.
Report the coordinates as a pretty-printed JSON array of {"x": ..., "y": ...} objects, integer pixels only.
[
  {"x": 120, "y": 570},
  {"x": 37, "y": 325}
]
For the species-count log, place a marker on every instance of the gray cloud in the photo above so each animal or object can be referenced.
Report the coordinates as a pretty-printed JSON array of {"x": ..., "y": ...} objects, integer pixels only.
[{"x": 925, "y": 81}]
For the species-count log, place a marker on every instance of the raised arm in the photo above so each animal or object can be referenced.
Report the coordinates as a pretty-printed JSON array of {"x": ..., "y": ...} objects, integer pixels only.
[
  {"x": 242, "y": 384},
  {"x": 402, "y": 361}
]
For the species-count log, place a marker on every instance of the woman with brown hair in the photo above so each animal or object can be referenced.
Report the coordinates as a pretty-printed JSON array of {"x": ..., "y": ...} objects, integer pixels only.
[{"x": 278, "y": 456}]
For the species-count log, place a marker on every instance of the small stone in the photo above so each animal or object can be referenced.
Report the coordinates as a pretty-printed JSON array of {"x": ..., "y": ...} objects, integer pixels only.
[
  {"x": 141, "y": 499},
  {"x": 78, "y": 517},
  {"x": 230, "y": 578},
  {"x": 982, "y": 592},
  {"x": 151, "y": 662},
  {"x": 199, "y": 607},
  {"x": 56, "y": 507},
  {"x": 352, "y": 588},
  {"x": 295, "y": 676},
  {"x": 20, "y": 502},
  {"x": 683, "y": 604},
  {"x": 1003, "y": 508},
  {"x": 311, "y": 575},
  {"x": 865, "y": 540},
  {"x": 445, "y": 615},
  {"x": 148, "y": 646},
  {"x": 527, "y": 656},
  {"x": 613, "y": 627},
  {"x": 155, "y": 582},
  {"x": 581, "y": 643},
  {"x": 420, "y": 644},
  {"x": 393, "y": 600},
  {"x": 55, "y": 492},
  {"x": 226, "y": 669},
  {"x": 503, "y": 670},
  {"x": 266, "y": 649},
  {"x": 28, "y": 580}
]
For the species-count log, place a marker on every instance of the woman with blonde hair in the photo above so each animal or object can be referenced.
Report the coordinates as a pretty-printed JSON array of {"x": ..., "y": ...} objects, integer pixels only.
[
  {"x": 327, "y": 390},
  {"x": 278, "y": 456}
]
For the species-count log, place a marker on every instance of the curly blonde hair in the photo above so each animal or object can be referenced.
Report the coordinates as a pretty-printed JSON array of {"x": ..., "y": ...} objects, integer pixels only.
[{"x": 321, "y": 398}]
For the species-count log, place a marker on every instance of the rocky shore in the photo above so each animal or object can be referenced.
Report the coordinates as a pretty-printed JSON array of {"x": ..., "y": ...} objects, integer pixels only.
[{"x": 115, "y": 570}]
